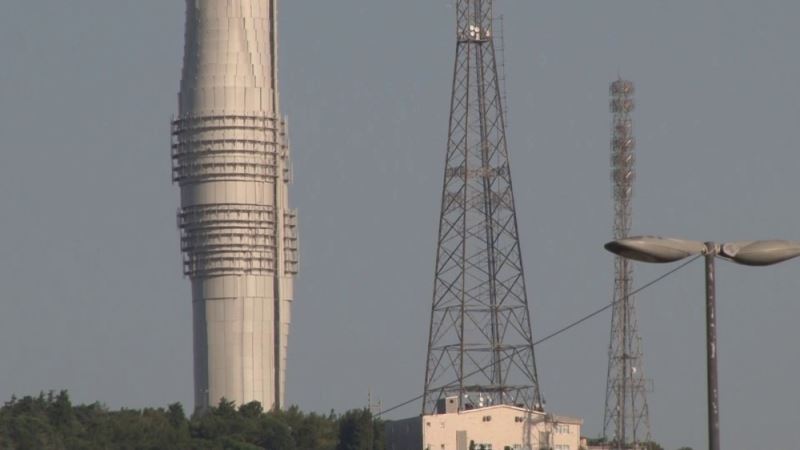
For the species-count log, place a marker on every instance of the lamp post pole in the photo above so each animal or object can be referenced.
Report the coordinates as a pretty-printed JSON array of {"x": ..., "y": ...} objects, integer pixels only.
[
  {"x": 711, "y": 250},
  {"x": 655, "y": 249}
]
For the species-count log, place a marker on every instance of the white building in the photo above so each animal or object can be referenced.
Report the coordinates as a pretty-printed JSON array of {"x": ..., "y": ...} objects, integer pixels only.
[{"x": 496, "y": 427}]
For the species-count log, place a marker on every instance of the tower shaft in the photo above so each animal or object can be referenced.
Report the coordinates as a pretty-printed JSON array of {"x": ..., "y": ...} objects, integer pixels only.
[
  {"x": 626, "y": 421},
  {"x": 230, "y": 157},
  {"x": 480, "y": 345}
]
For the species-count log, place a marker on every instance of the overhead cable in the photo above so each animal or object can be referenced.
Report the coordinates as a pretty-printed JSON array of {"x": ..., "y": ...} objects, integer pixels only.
[{"x": 565, "y": 328}]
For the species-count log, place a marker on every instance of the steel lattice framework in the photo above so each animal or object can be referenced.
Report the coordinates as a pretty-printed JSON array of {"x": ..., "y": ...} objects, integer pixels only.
[
  {"x": 626, "y": 422},
  {"x": 480, "y": 347}
]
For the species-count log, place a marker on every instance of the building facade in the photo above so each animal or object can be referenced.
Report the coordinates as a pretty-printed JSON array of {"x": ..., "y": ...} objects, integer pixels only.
[{"x": 496, "y": 427}]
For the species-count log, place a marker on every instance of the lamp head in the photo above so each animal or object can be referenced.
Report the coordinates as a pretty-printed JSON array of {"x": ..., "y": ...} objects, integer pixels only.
[
  {"x": 654, "y": 249},
  {"x": 760, "y": 253}
]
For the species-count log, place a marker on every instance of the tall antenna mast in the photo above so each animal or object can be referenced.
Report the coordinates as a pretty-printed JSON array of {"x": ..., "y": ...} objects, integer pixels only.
[
  {"x": 626, "y": 422},
  {"x": 480, "y": 348}
]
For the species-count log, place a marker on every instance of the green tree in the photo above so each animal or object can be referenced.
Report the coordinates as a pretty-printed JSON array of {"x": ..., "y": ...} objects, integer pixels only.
[
  {"x": 251, "y": 410},
  {"x": 274, "y": 434},
  {"x": 378, "y": 434},
  {"x": 218, "y": 422},
  {"x": 52, "y": 422},
  {"x": 356, "y": 430},
  {"x": 311, "y": 431},
  {"x": 32, "y": 432},
  {"x": 59, "y": 410},
  {"x": 176, "y": 416}
]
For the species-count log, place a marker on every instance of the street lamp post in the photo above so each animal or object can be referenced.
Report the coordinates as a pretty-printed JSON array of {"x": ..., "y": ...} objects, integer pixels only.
[
  {"x": 712, "y": 378},
  {"x": 656, "y": 249}
]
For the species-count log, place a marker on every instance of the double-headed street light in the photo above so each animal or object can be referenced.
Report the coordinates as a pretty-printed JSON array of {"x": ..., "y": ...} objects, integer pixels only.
[{"x": 656, "y": 249}]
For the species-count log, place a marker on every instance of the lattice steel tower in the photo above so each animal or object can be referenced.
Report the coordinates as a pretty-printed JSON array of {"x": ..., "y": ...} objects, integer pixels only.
[
  {"x": 480, "y": 348},
  {"x": 626, "y": 421}
]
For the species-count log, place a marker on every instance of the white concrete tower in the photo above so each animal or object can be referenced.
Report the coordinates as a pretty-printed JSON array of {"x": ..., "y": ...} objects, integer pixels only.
[{"x": 238, "y": 236}]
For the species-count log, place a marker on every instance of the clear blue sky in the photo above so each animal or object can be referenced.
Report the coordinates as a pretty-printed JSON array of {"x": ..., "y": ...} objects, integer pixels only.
[{"x": 92, "y": 298}]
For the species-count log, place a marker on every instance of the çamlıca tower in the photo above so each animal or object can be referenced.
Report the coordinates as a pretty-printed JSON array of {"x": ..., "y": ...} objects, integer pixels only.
[{"x": 238, "y": 236}]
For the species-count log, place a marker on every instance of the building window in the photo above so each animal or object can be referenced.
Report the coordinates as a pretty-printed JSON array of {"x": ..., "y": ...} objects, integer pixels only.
[
  {"x": 544, "y": 439},
  {"x": 562, "y": 447},
  {"x": 562, "y": 428}
]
